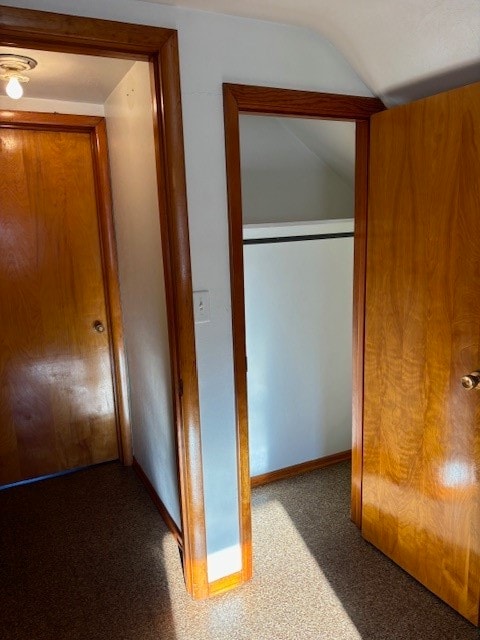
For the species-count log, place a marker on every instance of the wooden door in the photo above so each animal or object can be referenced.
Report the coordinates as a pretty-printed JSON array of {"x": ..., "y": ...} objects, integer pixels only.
[
  {"x": 421, "y": 427},
  {"x": 56, "y": 392}
]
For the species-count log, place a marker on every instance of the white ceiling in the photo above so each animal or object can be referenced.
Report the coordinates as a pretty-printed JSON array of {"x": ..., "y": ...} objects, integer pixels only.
[
  {"x": 69, "y": 77},
  {"x": 331, "y": 141},
  {"x": 402, "y": 49},
  {"x": 279, "y": 144}
]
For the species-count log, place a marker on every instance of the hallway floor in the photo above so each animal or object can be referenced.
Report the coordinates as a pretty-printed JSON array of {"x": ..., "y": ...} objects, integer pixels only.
[{"x": 87, "y": 557}]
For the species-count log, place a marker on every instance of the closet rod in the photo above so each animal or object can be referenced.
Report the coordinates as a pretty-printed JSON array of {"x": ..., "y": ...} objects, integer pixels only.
[{"x": 317, "y": 236}]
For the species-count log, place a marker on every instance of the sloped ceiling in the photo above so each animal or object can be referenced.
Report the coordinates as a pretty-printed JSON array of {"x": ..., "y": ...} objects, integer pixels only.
[
  {"x": 266, "y": 141},
  {"x": 295, "y": 169},
  {"x": 402, "y": 49},
  {"x": 331, "y": 142}
]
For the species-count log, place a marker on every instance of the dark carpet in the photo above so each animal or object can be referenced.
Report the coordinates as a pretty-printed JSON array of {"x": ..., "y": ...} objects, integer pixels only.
[{"x": 87, "y": 557}]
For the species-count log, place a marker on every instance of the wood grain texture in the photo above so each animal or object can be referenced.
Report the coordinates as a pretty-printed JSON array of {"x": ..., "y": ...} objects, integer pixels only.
[
  {"x": 358, "y": 341},
  {"x": 421, "y": 428},
  {"x": 302, "y": 104},
  {"x": 168, "y": 129},
  {"x": 270, "y": 101},
  {"x": 56, "y": 32},
  {"x": 73, "y": 34},
  {"x": 57, "y": 405},
  {"x": 112, "y": 289},
  {"x": 234, "y": 195},
  {"x": 303, "y": 467},
  {"x": 40, "y": 121},
  {"x": 223, "y": 585},
  {"x": 158, "y": 502},
  {"x": 95, "y": 127}
]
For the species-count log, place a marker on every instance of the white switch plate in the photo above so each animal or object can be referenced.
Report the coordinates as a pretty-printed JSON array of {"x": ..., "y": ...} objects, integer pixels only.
[{"x": 201, "y": 306}]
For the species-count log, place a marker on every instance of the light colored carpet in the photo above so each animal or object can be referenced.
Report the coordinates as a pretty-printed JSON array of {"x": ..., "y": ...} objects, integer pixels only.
[{"x": 87, "y": 557}]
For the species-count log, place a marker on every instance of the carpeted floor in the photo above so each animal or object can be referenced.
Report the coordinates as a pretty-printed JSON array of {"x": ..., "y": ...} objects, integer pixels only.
[{"x": 87, "y": 557}]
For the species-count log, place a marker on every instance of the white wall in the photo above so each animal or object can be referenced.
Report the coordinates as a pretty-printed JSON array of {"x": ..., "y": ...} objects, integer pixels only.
[
  {"x": 283, "y": 180},
  {"x": 298, "y": 311},
  {"x": 134, "y": 184},
  {"x": 51, "y": 106},
  {"x": 216, "y": 49}
]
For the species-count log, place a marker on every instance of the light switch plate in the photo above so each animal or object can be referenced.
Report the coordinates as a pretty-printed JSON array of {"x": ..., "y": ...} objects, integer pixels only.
[{"x": 201, "y": 306}]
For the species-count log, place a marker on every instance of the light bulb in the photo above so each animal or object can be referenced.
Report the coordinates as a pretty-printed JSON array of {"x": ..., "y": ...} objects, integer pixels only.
[{"x": 14, "y": 88}]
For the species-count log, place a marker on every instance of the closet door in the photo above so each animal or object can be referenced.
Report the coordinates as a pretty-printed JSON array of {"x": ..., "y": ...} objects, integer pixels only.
[{"x": 421, "y": 422}]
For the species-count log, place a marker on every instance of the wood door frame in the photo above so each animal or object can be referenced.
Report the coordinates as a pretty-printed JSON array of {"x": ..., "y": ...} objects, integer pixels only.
[
  {"x": 96, "y": 128},
  {"x": 254, "y": 100},
  {"x": 159, "y": 47}
]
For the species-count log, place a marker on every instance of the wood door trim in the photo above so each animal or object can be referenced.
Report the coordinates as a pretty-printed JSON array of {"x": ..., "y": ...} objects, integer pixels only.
[
  {"x": 112, "y": 290},
  {"x": 74, "y": 34},
  {"x": 302, "y": 104},
  {"x": 301, "y": 468},
  {"x": 362, "y": 149},
  {"x": 65, "y": 33},
  {"x": 239, "y": 99},
  {"x": 37, "y": 120},
  {"x": 231, "y": 110}
]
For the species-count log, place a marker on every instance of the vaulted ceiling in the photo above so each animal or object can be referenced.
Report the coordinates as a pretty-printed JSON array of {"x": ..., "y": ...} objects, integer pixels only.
[{"x": 402, "y": 49}]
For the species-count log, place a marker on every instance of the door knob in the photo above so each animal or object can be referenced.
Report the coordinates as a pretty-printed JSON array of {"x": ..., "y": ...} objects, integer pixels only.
[
  {"x": 471, "y": 381},
  {"x": 98, "y": 326}
]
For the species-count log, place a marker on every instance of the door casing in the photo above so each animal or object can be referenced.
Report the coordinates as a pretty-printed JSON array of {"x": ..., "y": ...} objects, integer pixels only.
[
  {"x": 245, "y": 99},
  {"x": 71, "y": 34}
]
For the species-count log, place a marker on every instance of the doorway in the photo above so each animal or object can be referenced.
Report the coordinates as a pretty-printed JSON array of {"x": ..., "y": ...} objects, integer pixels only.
[
  {"x": 158, "y": 47},
  {"x": 241, "y": 99},
  {"x": 298, "y": 209}
]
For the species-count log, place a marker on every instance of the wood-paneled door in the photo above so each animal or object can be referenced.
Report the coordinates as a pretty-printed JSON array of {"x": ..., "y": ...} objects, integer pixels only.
[
  {"x": 421, "y": 458},
  {"x": 57, "y": 371}
]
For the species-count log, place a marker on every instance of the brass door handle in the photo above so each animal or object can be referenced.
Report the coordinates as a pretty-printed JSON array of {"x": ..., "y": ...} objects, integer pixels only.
[
  {"x": 471, "y": 381},
  {"x": 98, "y": 326}
]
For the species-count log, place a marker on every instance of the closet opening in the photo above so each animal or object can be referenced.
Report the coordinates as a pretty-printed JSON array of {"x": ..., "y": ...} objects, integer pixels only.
[
  {"x": 297, "y": 192},
  {"x": 298, "y": 210}
]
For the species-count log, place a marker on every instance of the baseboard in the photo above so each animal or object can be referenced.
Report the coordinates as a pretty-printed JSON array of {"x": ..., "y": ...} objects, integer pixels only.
[
  {"x": 167, "y": 518},
  {"x": 303, "y": 467}
]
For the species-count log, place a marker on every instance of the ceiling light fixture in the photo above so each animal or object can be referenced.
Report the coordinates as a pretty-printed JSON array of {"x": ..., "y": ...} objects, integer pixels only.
[{"x": 11, "y": 69}]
